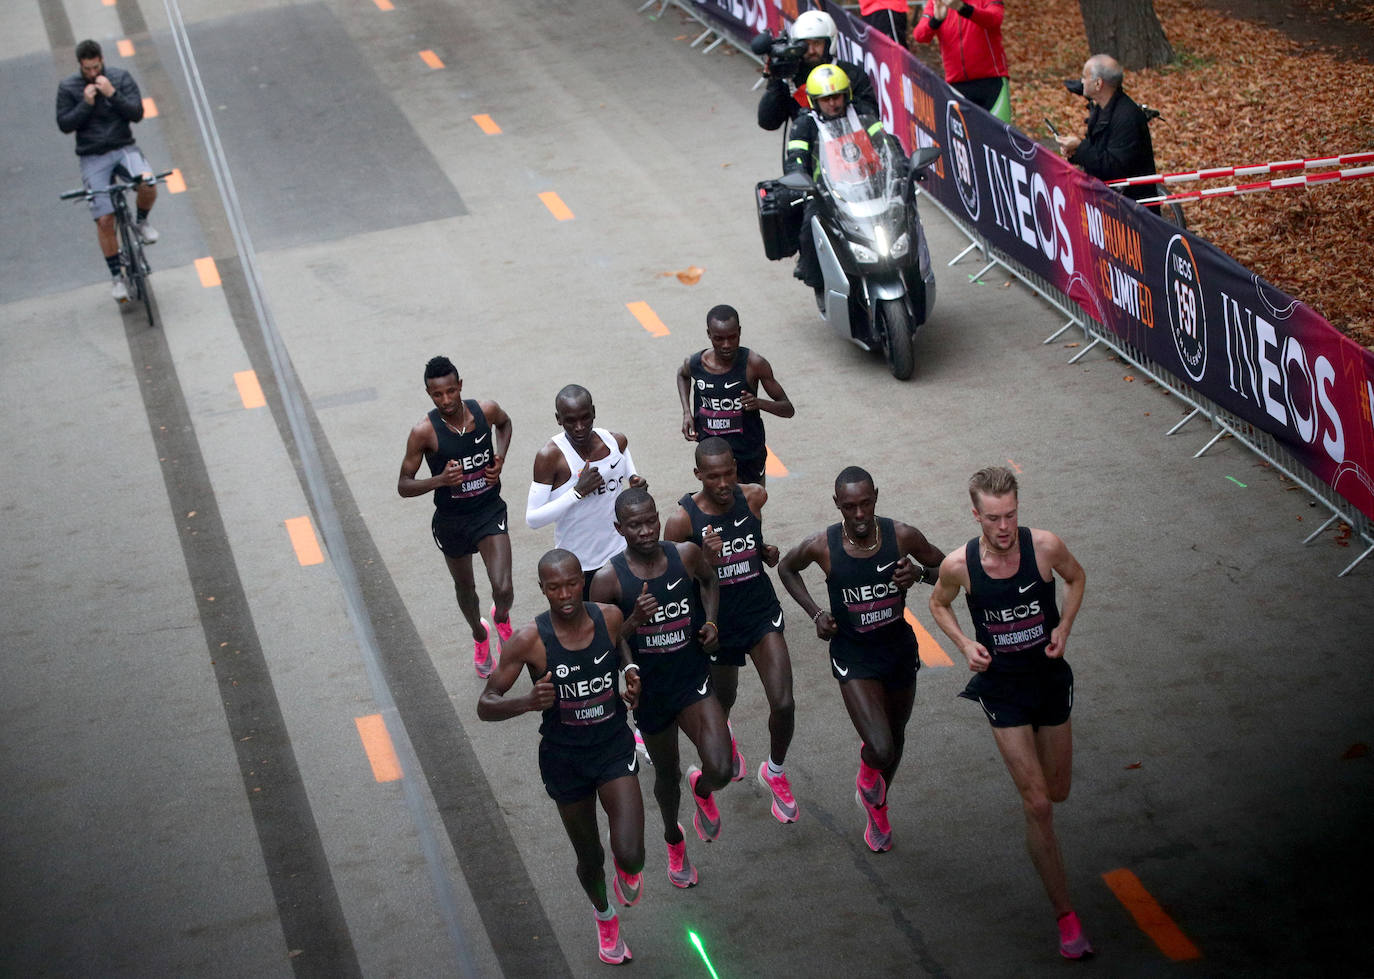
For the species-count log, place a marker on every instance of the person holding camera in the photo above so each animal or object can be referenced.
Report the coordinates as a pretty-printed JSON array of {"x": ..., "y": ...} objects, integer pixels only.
[
  {"x": 788, "y": 63},
  {"x": 1117, "y": 140}
]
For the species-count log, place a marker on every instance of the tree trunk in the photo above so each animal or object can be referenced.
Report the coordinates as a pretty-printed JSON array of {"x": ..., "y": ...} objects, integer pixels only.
[{"x": 1128, "y": 30}]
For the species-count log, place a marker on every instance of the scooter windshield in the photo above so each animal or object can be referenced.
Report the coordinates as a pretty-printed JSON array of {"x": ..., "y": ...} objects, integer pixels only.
[{"x": 858, "y": 171}]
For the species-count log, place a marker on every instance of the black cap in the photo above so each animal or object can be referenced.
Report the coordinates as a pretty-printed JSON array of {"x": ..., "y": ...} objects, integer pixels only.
[{"x": 1075, "y": 85}]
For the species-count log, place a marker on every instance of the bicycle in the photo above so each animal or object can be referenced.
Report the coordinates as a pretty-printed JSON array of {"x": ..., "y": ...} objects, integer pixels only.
[{"x": 135, "y": 270}]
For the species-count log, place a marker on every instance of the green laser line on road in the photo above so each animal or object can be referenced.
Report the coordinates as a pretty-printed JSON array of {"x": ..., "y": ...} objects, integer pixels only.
[{"x": 702, "y": 952}]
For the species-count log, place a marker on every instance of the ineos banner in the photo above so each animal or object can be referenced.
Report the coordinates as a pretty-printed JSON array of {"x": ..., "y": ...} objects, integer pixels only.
[{"x": 1260, "y": 354}]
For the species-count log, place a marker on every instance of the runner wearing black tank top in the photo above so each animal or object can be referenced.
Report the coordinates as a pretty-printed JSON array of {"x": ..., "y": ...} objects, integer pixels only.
[
  {"x": 465, "y": 444},
  {"x": 718, "y": 388},
  {"x": 1017, "y": 656},
  {"x": 586, "y": 751},
  {"x": 669, "y": 595},
  {"x": 870, "y": 563},
  {"x": 726, "y": 520}
]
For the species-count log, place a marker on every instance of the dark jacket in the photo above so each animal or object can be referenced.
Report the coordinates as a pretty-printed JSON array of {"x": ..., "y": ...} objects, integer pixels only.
[
  {"x": 1118, "y": 145},
  {"x": 103, "y": 126},
  {"x": 778, "y": 104},
  {"x": 799, "y": 156}
]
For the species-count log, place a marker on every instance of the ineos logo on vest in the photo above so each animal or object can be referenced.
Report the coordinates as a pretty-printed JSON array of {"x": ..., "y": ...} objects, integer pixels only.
[
  {"x": 869, "y": 593},
  {"x": 673, "y": 610},
  {"x": 728, "y": 547},
  {"x": 722, "y": 404},
  {"x": 1011, "y": 614},
  {"x": 586, "y": 688},
  {"x": 562, "y": 671},
  {"x": 479, "y": 461}
]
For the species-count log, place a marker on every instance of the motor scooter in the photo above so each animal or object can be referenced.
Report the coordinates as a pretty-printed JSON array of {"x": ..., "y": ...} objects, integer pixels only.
[{"x": 879, "y": 284}]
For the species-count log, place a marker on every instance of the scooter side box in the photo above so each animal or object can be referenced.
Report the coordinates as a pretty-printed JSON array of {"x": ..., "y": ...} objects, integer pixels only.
[{"x": 779, "y": 219}]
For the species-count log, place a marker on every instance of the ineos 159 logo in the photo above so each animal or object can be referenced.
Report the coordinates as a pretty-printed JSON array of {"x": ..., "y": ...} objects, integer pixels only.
[
  {"x": 961, "y": 149},
  {"x": 1187, "y": 317},
  {"x": 562, "y": 671}
]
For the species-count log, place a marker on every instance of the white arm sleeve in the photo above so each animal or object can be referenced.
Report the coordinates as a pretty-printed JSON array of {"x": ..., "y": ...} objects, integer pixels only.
[{"x": 542, "y": 510}]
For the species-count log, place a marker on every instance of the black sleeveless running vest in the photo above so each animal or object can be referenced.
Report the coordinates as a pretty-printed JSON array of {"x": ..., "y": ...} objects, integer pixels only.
[
  {"x": 745, "y": 590},
  {"x": 589, "y": 709},
  {"x": 666, "y": 647},
  {"x": 867, "y": 604},
  {"x": 718, "y": 410},
  {"x": 1012, "y": 617},
  {"x": 474, "y": 451}
]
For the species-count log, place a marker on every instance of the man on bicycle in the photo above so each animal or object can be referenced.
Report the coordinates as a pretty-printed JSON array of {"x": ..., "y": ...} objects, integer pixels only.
[{"x": 98, "y": 104}]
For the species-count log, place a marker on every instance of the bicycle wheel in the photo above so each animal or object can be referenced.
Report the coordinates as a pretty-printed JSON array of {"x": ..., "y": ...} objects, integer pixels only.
[
  {"x": 136, "y": 265},
  {"x": 1172, "y": 211}
]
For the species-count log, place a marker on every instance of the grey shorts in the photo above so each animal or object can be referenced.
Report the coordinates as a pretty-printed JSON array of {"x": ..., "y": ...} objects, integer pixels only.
[{"x": 99, "y": 170}]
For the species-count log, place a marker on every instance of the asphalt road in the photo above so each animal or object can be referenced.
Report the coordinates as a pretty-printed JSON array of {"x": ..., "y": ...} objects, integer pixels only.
[{"x": 186, "y": 788}]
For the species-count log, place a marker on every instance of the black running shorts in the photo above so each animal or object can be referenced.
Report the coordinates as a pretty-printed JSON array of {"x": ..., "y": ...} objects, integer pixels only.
[
  {"x": 734, "y": 644},
  {"x": 750, "y": 470},
  {"x": 658, "y": 707},
  {"x": 895, "y": 665},
  {"x": 1040, "y": 698},
  {"x": 572, "y": 773},
  {"x": 457, "y": 535}
]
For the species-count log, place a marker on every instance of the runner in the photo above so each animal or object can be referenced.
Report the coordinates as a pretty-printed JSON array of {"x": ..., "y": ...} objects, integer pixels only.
[
  {"x": 1021, "y": 679},
  {"x": 581, "y": 507},
  {"x": 669, "y": 595},
  {"x": 868, "y": 568},
  {"x": 719, "y": 389},
  {"x": 586, "y": 751},
  {"x": 465, "y": 444},
  {"x": 726, "y": 520}
]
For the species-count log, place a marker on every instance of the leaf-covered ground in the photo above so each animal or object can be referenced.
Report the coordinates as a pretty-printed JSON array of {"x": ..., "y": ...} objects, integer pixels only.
[{"x": 1238, "y": 93}]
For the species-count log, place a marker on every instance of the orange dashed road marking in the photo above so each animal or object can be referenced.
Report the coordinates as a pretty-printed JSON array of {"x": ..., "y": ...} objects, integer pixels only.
[
  {"x": 1015, "y": 468},
  {"x": 932, "y": 653},
  {"x": 208, "y": 272},
  {"x": 647, "y": 318},
  {"x": 125, "y": 48},
  {"x": 107, "y": 3},
  {"x": 772, "y": 466},
  {"x": 487, "y": 124},
  {"x": 386, "y": 767},
  {"x": 431, "y": 59},
  {"x": 556, "y": 206},
  {"x": 176, "y": 183},
  {"x": 249, "y": 389},
  {"x": 1151, "y": 918},
  {"x": 303, "y": 540},
  {"x": 383, "y": 4},
  {"x": 149, "y": 109}
]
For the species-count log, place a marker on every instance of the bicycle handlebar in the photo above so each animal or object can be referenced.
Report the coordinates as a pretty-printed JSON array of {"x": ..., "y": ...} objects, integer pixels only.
[{"x": 82, "y": 192}]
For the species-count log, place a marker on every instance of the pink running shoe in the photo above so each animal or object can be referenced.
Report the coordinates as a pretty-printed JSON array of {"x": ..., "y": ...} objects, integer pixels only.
[
  {"x": 1073, "y": 944},
  {"x": 707, "y": 818},
  {"x": 738, "y": 766},
  {"x": 878, "y": 832},
  {"x": 482, "y": 659},
  {"x": 503, "y": 629},
  {"x": 627, "y": 887},
  {"x": 612, "y": 947},
  {"x": 784, "y": 805},
  {"x": 681, "y": 873}
]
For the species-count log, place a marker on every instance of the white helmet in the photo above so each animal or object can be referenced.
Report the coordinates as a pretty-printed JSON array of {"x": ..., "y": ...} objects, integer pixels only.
[{"x": 815, "y": 24}]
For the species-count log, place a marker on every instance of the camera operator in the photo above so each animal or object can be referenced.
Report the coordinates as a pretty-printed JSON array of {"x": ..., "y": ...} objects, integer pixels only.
[
  {"x": 788, "y": 64},
  {"x": 1117, "y": 140}
]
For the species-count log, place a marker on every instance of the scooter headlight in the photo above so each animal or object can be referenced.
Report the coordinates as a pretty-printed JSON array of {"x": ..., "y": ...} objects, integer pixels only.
[
  {"x": 863, "y": 254},
  {"x": 901, "y": 245}
]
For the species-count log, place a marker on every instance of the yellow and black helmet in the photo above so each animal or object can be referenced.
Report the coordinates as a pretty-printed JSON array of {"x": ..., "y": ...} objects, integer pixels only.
[{"x": 826, "y": 80}]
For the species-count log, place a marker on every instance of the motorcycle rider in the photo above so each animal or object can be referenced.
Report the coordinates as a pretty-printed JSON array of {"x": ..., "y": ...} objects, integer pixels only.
[
  {"x": 830, "y": 92},
  {"x": 780, "y": 103}
]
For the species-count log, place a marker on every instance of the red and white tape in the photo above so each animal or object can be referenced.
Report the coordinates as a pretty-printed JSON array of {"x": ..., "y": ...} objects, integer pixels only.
[{"x": 1278, "y": 166}]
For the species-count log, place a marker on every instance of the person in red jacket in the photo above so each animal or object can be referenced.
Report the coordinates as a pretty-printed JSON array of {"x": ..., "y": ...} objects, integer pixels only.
[
  {"x": 970, "y": 33},
  {"x": 888, "y": 16}
]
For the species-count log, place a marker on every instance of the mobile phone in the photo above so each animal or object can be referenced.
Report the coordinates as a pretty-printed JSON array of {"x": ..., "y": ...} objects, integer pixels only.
[{"x": 1053, "y": 131}]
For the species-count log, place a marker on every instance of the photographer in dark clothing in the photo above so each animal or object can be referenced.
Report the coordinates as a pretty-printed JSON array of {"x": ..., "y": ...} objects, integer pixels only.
[
  {"x": 1117, "y": 143},
  {"x": 783, "y": 98}
]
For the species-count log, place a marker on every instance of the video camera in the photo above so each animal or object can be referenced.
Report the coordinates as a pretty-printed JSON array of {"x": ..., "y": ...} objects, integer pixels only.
[{"x": 784, "y": 54}]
